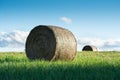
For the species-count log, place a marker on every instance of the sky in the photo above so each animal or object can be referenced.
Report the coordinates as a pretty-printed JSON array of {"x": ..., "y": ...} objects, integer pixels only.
[{"x": 93, "y": 22}]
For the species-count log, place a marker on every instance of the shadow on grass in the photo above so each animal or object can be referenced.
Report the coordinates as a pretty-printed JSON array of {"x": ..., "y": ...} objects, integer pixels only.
[{"x": 60, "y": 72}]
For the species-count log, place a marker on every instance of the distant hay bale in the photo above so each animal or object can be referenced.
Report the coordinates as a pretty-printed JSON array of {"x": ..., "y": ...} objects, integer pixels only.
[
  {"x": 51, "y": 43},
  {"x": 89, "y": 48}
]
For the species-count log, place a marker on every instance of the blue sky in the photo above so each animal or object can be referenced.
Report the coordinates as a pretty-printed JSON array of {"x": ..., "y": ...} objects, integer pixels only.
[{"x": 87, "y": 18}]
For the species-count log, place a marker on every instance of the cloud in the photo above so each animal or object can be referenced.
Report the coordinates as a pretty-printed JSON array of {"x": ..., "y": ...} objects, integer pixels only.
[
  {"x": 66, "y": 20},
  {"x": 13, "y": 41},
  {"x": 101, "y": 44}
]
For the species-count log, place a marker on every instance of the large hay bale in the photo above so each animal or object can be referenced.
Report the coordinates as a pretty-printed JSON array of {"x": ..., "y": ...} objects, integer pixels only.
[
  {"x": 51, "y": 43},
  {"x": 89, "y": 48}
]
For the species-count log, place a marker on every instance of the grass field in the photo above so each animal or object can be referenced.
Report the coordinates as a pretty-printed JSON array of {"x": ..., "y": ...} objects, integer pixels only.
[{"x": 85, "y": 66}]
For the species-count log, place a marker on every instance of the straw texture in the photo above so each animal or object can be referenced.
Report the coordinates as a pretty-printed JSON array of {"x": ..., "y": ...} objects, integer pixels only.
[{"x": 51, "y": 43}]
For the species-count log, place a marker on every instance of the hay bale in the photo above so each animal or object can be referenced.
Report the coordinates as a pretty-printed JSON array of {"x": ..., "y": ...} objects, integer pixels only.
[
  {"x": 51, "y": 43},
  {"x": 89, "y": 48}
]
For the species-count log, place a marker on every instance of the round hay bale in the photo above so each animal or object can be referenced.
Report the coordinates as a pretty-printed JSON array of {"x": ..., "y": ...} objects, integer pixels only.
[
  {"x": 51, "y": 43},
  {"x": 89, "y": 48}
]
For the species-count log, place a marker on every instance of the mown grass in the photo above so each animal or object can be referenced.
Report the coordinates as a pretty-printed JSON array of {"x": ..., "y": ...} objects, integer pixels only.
[{"x": 85, "y": 66}]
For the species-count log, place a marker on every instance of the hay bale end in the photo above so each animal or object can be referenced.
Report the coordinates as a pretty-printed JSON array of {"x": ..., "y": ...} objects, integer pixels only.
[{"x": 89, "y": 48}]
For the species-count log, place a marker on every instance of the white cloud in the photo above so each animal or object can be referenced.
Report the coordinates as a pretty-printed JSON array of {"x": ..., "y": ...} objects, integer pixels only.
[
  {"x": 101, "y": 44},
  {"x": 19, "y": 36},
  {"x": 91, "y": 41},
  {"x": 66, "y": 20},
  {"x": 13, "y": 41}
]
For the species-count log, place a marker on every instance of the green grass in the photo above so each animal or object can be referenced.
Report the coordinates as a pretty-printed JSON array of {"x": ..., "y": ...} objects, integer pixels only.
[{"x": 85, "y": 66}]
